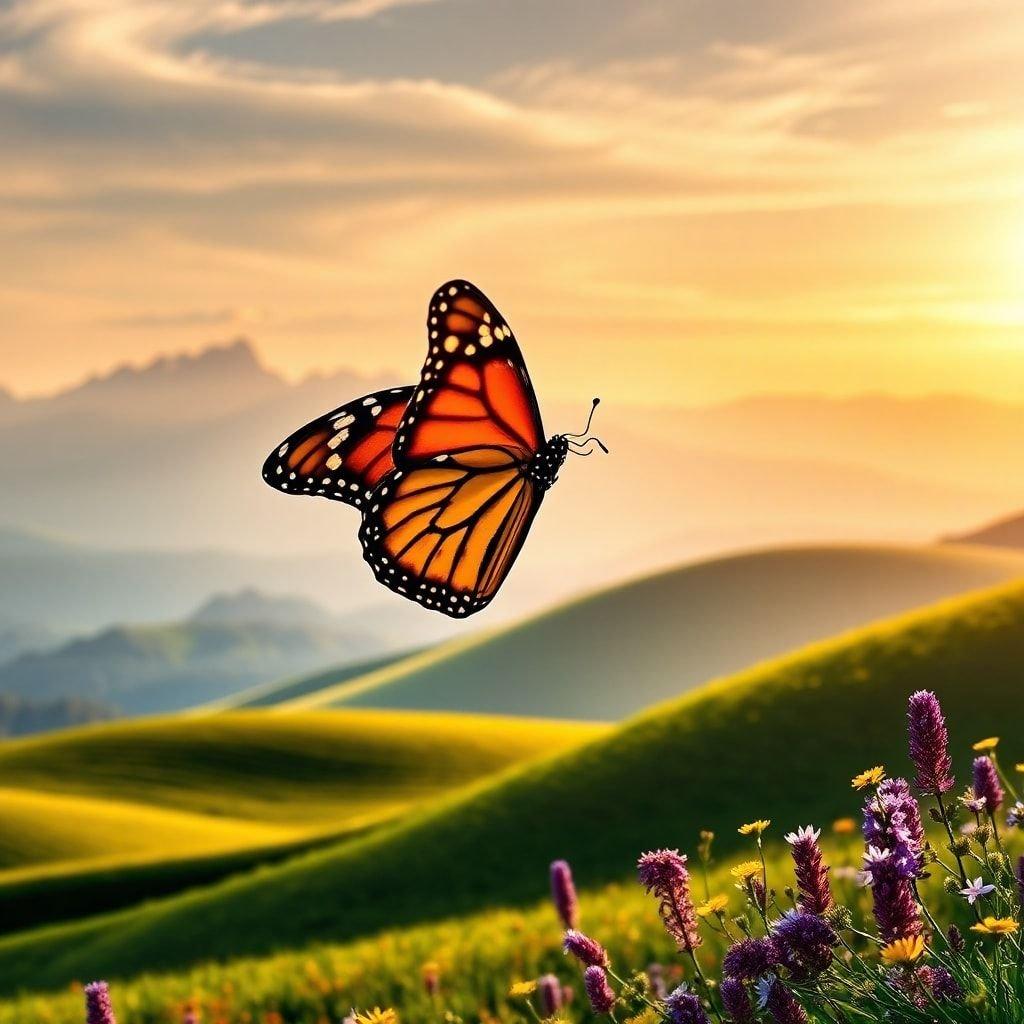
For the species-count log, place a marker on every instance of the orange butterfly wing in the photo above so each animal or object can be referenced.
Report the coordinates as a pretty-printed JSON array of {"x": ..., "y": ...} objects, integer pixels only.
[
  {"x": 343, "y": 454},
  {"x": 446, "y": 526}
]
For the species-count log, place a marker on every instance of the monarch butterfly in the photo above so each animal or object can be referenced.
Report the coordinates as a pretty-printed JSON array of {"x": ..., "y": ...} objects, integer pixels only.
[{"x": 449, "y": 473}]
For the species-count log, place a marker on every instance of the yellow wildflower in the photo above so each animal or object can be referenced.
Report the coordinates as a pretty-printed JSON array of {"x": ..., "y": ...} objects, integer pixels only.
[
  {"x": 844, "y": 826},
  {"x": 904, "y": 951},
  {"x": 1020, "y": 767},
  {"x": 715, "y": 905},
  {"x": 989, "y": 743},
  {"x": 647, "y": 1016},
  {"x": 996, "y": 926},
  {"x": 872, "y": 777},
  {"x": 746, "y": 871},
  {"x": 522, "y": 989},
  {"x": 753, "y": 828},
  {"x": 377, "y": 1016}
]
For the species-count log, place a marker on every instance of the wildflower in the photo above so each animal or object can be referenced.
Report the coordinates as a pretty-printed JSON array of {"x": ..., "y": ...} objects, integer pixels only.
[
  {"x": 645, "y": 1016},
  {"x": 943, "y": 986},
  {"x": 975, "y": 804},
  {"x": 996, "y": 926},
  {"x": 929, "y": 744},
  {"x": 1020, "y": 879},
  {"x": 589, "y": 952},
  {"x": 748, "y": 959},
  {"x": 549, "y": 990},
  {"x": 815, "y": 896},
  {"x": 844, "y": 826},
  {"x": 522, "y": 989},
  {"x": 431, "y": 973},
  {"x": 98, "y": 1009},
  {"x": 663, "y": 873},
  {"x": 988, "y": 744},
  {"x": 599, "y": 992},
  {"x": 1020, "y": 767},
  {"x": 955, "y": 938},
  {"x": 683, "y": 1007},
  {"x": 975, "y": 890},
  {"x": 986, "y": 784},
  {"x": 736, "y": 1001},
  {"x": 746, "y": 870},
  {"x": 715, "y": 905},
  {"x": 563, "y": 893},
  {"x": 656, "y": 979},
  {"x": 904, "y": 951},
  {"x": 774, "y": 997},
  {"x": 377, "y": 1016},
  {"x": 1015, "y": 815},
  {"x": 804, "y": 943},
  {"x": 754, "y": 828},
  {"x": 872, "y": 777}
]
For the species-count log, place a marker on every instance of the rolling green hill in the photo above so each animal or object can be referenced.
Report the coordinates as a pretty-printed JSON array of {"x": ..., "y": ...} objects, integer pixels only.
[
  {"x": 99, "y": 817},
  {"x": 779, "y": 740},
  {"x": 620, "y": 650}
]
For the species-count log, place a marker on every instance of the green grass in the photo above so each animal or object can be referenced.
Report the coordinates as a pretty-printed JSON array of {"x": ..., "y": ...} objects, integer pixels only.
[
  {"x": 781, "y": 740},
  {"x": 618, "y": 651},
  {"x": 479, "y": 956},
  {"x": 99, "y": 818}
]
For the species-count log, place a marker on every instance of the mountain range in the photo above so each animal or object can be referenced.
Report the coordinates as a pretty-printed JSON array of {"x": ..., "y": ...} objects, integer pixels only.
[{"x": 152, "y": 474}]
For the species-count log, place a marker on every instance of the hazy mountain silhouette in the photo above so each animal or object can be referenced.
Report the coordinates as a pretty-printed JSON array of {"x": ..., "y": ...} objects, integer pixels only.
[{"x": 1003, "y": 533}]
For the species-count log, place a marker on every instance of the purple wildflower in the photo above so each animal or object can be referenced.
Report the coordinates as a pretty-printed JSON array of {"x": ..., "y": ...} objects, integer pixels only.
[
  {"x": 563, "y": 893},
  {"x": 664, "y": 873},
  {"x": 587, "y": 950},
  {"x": 749, "y": 959},
  {"x": 599, "y": 992},
  {"x": 942, "y": 985},
  {"x": 895, "y": 838},
  {"x": 97, "y": 1004},
  {"x": 986, "y": 784},
  {"x": 814, "y": 893},
  {"x": 929, "y": 744},
  {"x": 780, "y": 1002},
  {"x": 736, "y": 1001},
  {"x": 1020, "y": 879},
  {"x": 549, "y": 989},
  {"x": 955, "y": 937},
  {"x": 656, "y": 978},
  {"x": 804, "y": 943},
  {"x": 683, "y": 1007}
]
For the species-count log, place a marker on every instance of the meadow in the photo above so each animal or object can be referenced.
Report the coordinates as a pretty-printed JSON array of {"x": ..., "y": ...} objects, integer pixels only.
[{"x": 760, "y": 742}]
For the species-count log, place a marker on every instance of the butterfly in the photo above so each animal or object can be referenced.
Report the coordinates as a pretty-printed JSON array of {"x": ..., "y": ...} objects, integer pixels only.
[{"x": 448, "y": 474}]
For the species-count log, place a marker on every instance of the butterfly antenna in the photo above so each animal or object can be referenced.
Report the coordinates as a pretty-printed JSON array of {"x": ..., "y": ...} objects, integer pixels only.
[{"x": 586, "y": 429}]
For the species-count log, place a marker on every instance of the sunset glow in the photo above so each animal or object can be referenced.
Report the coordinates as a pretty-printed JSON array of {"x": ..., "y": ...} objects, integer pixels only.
[{"x": 815, "y": 197}]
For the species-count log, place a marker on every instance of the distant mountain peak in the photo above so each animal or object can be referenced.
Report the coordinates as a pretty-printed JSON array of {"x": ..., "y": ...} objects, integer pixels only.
[{"x": 252, "y": 606}]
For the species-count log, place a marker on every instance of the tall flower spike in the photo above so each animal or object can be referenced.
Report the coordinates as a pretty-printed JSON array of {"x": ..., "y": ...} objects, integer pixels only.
[
  {"x": 736, "y": 1001},
  {"x": 929, "y": 744},
  {"x": 1020, "y": 879},
  {"x": 683, "y": 1007},
  {"x": 549, "y": 989},
  {"x": 782, "y": 1004},
  {"x": 664, "y": 873},
  {"x": 749, "y": 959},
  {"x": 986, "y": 784},
  {"x": 588, "y": 951},
  {"x": 599, "y": 992},
  {"x": 98, "y": 1009},
  {"x": 814, "y": 893},
  {"x": 563, "y": 894}
]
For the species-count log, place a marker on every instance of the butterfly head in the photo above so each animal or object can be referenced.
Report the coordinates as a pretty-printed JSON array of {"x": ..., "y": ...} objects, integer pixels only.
[{"x": 544, "y": 466}]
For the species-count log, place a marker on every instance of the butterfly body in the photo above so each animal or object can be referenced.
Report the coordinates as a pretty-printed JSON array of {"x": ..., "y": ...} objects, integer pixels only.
[
  {"x": 544, "y": 466},
  {"x": 448, "y": 474}
]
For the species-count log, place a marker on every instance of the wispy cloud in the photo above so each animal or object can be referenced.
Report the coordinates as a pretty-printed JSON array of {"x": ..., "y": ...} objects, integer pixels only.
[{"x": 601, "y": 178}]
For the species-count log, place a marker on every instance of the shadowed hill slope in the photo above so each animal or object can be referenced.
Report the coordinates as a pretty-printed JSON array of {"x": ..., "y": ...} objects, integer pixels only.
[
  {"x": 620, "y": 650},
  {"x": 781, "y": 739}
]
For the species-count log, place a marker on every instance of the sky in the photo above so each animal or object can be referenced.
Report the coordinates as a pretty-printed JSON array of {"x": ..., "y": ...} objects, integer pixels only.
[{"x": 670, "y": 201}]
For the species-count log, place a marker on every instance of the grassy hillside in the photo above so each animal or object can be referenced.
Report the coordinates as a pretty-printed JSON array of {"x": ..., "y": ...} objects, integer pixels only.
[
  {"x": 623, "y": 649},
  {"x": 101, "y": 817},
  {"x": 291, "y": 690},
  {"x": 778, "y": 740}
]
